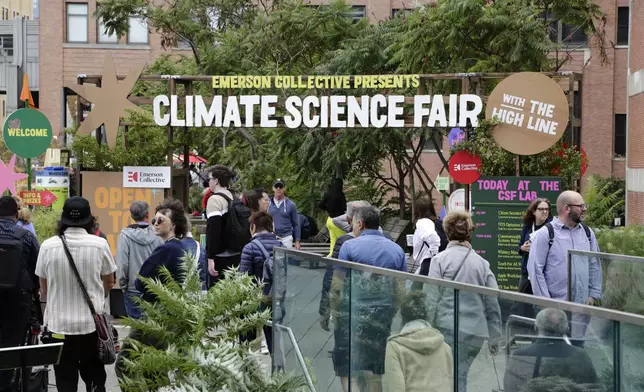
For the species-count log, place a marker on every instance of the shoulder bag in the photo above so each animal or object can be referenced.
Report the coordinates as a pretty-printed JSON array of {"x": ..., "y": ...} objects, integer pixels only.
[{"x": 105, "y": 331}]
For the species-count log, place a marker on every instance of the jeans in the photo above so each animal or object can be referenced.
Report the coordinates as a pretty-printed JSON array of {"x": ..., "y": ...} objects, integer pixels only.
[
  {"x": 80, "y": 356},
  {"x": 15, "y": 308},
  {"x": 132, "y": 309}
]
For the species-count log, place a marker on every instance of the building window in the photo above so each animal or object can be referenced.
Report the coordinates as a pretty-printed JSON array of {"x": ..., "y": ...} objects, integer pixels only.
[
  {"x": 77, "y": 22},
  {"x": 103, "y": 36},
  {"x": 138, "y": 31},
  {"x": 429, "y": 146},
  {"x": 622, "y": 25},
  {"x": 619, "y": 145},
  {"x": 4, "y": 13},
  {"x": 357, "y": 12},
  {"x": 564, "y": 33},
  {"x": 400, "y": 11},
  {"x": 6, "y": 44}
]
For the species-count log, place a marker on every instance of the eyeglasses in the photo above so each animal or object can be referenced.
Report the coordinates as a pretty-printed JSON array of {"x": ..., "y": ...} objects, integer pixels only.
[
  {"x": 582, "y": 206},
  {"x": 546, "y": 209},
  {"x": 157, "y": 221}
]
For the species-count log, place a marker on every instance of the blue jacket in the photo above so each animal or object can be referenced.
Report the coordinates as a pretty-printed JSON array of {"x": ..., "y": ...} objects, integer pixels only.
[
  {"x": 252, "y": 258},
  {"x": 168, "y": 255},
  {"x": 285, "y": 218},
  {"x": 525, "y": 235},
  {"x": 190, "y": 245}
]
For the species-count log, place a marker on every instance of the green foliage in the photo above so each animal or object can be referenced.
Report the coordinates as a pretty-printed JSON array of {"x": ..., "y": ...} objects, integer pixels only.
[
  {"x": 622, "y": 280},
  {"x": 144, "y": 145},
  {"x": 605, "y": 200},
  {"x": 45, "y": 221},
  {"x": 197, "y": 336},
  {"x": 560, "y": 160}
]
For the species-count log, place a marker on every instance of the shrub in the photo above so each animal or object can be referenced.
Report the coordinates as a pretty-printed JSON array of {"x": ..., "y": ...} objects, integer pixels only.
[
  {"x": 45, "y": 221},
  {"x": 198, "y": 338}
]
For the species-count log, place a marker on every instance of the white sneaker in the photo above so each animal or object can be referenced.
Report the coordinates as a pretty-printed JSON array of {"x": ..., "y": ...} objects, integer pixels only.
[{"x": 264, "y": 347}]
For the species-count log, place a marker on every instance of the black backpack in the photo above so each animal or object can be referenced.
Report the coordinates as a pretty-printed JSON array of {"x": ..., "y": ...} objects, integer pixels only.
[
  {"x": 236, "y": 230},
  {"x": 13, "y": 268},
  {"x": 551, "y": 234},
  {"x": 441, "y": 234}
]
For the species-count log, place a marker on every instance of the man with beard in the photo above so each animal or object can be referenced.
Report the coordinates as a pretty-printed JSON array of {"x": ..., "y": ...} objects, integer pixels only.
[{"x": 548, "y": 260}]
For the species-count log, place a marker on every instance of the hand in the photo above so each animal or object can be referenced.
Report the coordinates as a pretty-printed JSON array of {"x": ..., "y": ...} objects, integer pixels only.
[
  {"x": 590, "y": 301},
  {"x": 211, "y": 268},
  {"x": 297, "y": 245},
  {"x": 526, "y": 246},
  {"x": 324, "y": 323},
  {"x": 494, "y": 347}
]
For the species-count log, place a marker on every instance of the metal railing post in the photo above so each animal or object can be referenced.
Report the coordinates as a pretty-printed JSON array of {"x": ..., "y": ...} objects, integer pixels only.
[{"x": 455, "y": 346}]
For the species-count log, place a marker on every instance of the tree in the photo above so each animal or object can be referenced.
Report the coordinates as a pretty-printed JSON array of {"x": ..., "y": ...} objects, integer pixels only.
[{"x": 289, "y": 38}]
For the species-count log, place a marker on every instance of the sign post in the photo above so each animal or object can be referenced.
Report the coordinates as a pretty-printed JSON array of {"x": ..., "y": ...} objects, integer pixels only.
[{"x": 498, "y": 205}]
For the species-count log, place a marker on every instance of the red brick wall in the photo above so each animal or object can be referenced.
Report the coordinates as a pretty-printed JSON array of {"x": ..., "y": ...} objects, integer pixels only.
[{"x": 60, "y": 64}]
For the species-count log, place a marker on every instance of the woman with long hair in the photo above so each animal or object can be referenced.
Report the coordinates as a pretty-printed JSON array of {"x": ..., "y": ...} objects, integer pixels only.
[
  {"x": 534, "y": 218},
  {"x": 24, "y": 216},
  {"x": 429, "y": 237}
]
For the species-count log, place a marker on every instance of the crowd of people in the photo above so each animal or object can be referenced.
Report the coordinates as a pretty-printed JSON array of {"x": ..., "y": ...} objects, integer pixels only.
[
  {"x": 368, "y": 357},
  {"x": 359, "y": 308}
]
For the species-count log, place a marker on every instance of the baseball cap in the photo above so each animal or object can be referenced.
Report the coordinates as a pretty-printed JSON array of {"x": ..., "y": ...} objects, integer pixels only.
[
  {"x": 76, "y": 212},
  {"x": 279, "y": 181},
  {"x": 8, "y": 206}
]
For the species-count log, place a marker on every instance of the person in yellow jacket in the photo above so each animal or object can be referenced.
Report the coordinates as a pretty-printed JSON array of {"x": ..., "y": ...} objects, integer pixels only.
[{"x": 417, "y": 358}]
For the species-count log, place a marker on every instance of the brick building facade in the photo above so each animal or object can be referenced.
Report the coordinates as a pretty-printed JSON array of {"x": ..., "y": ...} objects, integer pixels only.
[
  {"x": 635, "y": 163},
  {"x": 71, "y": 43}
]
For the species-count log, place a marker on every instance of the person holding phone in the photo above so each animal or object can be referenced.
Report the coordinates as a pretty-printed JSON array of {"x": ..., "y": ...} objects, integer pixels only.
[{"x": 535, "y": 217}]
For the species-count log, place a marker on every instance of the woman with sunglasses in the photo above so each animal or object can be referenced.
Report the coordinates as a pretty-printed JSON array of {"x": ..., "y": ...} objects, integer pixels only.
[
  {"x": 535, "y": 217},
  {"x": 171, "y": 225}
]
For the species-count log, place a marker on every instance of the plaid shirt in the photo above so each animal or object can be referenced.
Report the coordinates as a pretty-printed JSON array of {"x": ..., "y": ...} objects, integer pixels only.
[{"x": 30, "y": 249}]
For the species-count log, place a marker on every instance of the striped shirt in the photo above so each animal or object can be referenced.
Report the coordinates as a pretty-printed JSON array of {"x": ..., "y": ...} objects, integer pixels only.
[{"x": 67, "y": 311}]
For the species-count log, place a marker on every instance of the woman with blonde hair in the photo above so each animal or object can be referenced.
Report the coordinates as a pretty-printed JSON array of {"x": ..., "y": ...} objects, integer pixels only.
[
  {"x": 24, "y": 216},
  {"x": 479, "y": 315}
]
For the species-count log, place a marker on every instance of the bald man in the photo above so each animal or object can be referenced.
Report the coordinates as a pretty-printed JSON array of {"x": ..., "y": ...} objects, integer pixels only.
[{"x": 548, "y": 262}]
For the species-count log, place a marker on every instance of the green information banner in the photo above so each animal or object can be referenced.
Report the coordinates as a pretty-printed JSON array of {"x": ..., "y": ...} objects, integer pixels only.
[
  {"x": 27, "y": 133},
  {"x": 498, "y": 205}
]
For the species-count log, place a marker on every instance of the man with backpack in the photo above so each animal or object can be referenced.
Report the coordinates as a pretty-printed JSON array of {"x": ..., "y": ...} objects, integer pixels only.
[
  {"x": 228, "y": 228},
  {"x": 18, "y": 282},
  {"x": 548, "y": 260}
]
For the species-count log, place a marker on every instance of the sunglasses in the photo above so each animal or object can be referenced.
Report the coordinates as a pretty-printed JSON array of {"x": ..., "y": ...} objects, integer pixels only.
[
  {"x": 157, "y": 221},
  {"x": 278, "y": 186}
]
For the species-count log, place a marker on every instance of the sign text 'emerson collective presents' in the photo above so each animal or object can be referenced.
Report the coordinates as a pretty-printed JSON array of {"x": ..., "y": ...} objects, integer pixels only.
[{"x": 329, "y": 111}]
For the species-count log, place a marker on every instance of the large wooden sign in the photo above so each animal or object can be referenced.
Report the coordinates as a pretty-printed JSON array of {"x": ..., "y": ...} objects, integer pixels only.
[{"x": 110, "y": 201}]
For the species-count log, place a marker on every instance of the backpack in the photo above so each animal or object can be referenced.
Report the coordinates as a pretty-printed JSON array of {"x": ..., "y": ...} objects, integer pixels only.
[
  {"x": 438, "y": 224},
  {"x": 551, "y": 234},
  {"x": 13, "y": 266},
  {"x": 267, "y": 273},
  {"x": 236, "y": 231}
]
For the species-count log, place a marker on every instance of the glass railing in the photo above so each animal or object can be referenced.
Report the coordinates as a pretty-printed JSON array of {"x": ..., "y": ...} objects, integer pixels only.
[
  {"x": 383, "y": 330},
  {"x": 622, "y": 289}
]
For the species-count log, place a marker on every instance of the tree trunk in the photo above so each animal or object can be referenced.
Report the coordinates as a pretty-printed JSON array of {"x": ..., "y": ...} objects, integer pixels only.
[{"x": 401, "y": 189}]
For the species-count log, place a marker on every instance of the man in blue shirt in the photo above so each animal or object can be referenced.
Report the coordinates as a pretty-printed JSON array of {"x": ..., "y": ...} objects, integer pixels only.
[{"x": 368, "y": 300}]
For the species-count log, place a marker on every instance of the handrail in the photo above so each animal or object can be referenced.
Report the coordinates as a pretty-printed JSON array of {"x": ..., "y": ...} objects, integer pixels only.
[
  {"x": 298, "y": 353},
  {"x": 607, "y": 256},
  {"x": 541, "y": 302}
]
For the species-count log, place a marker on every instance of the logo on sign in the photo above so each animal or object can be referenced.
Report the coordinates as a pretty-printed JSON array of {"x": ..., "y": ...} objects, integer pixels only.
[
  {"x": 465, "y": 167},
  {"x": 147, "y": 177}
]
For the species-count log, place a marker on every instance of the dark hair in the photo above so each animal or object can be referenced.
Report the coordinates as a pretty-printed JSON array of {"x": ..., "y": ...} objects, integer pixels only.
[
  {"x": 223, "y": 174},
  {"x": 263, "y": 221},
  {"x": 425, "y": 209},
  {"x": 528, "y": 216},
  {"x": 370, "y": 216},
  {"x": 414, "y": 307},
  {"x": 89, "y": 227},
  {"x": 252, "y": 199},
  {"x": 174, "y": 210}
]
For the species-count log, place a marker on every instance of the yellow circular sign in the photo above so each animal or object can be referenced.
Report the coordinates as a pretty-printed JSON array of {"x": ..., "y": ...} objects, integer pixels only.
[{"x": 532, "y": 111}]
